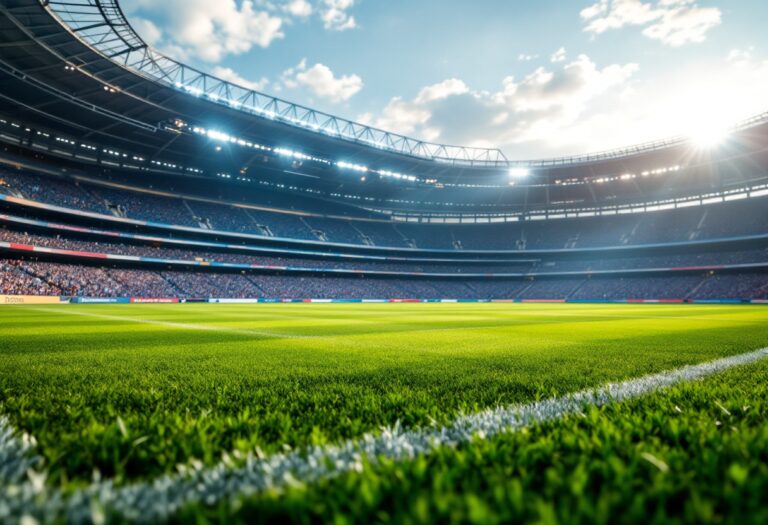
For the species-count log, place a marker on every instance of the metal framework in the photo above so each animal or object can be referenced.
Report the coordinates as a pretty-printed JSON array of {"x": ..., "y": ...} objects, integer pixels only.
[{"x": 102, "y": 25}]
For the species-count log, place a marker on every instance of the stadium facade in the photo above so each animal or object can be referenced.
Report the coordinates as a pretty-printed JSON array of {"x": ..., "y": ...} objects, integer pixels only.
[{"x": 127, "y": 176}]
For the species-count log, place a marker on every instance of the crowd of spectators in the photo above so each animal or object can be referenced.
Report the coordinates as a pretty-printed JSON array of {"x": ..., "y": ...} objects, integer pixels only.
[
  {"x": 594, "y": 263},
  {"x": 224, "y": 218},
  {"x": 44, "y": 278},
  {"x": 383, "y": 234},
  {"x": 145, "y": 206},
  {"x": 204, "y": 285},
  {"x": 492, "y": 289},
  {"x": 359, "y": 288},
  {"x": 551, "y": 289},
  {"x": 677, "y": 287},
  {"x": 745, "y": 217},
  {"x": 599, "y": 262},
  {"x": 16, "y": 279},
  {"x": 285, "y": 225},
  {"x": 59, "y": 192},
  {"x": 340, "y": 231},
  {"x": 734, "y": 287},
  {"x": 168, "y": 253}
]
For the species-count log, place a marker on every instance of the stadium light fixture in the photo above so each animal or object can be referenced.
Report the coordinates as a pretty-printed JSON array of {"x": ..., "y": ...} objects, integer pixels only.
[
  {"x": 351, "y": 166},
  {"x": 519, "y": 173}
]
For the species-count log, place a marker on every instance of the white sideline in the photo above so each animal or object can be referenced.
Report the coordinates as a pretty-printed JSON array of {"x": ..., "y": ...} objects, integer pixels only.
[
  {"x": 16, "y": 454},
  {"x": 157, "y": 500}
]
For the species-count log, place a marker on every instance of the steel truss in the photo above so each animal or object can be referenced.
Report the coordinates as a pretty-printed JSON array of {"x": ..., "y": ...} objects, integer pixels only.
[{"x": 102, "y": 25}]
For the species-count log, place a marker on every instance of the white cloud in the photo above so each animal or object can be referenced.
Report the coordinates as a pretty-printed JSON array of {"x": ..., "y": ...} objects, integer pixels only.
[
  {"x": 578, "y": 107},
  {"x": 288, "y": 77},
  {"x": 409, "y": 117},
  {"x": 321, "y": 81},
  {"x": 523, "y": 57},
  {"x": 401, "y": 116},
  {"x": 533, "y": 109},
  {"x": 147, "y": 30},
  {"x": 230, "y": 75},
  {"x": 335, "y": 16},
  {"x": 741, "y": 57},
  {"x": 208, "y": 30},
  {"x": 298, "y": 8},
  {"x": 558, "y": 56},
  {"x": 672, "y": 22},
  {"x": 683, "y": 25},
  {"x": 615, "y": 14},
  {"x": 442, "y": 90}
]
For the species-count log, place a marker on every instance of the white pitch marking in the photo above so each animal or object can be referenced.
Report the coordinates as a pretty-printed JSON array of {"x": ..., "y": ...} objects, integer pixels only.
[
  {"x": 182, "y": 326},
  {"x": 340, "y": 339},
  {"x": 16, "y": 455},
  {"x": 159, "y": 499}
]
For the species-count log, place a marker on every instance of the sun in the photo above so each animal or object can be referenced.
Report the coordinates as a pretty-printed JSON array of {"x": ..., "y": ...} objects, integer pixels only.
[{"x": 709, "y": 136}]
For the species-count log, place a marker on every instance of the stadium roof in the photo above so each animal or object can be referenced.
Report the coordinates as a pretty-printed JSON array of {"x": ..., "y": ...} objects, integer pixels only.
[
  {"x": 79, "y": 85},
  {"x": 102, "y": 25}
]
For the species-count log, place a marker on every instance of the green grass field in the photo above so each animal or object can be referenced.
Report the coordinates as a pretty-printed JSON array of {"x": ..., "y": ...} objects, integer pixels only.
[{"x": 131, "y": 392}]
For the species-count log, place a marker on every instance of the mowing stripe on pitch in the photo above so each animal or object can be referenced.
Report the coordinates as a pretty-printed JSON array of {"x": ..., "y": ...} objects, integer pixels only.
[
  {"x": 182, "y": 326},
  {"x": 159, "y": 499}
]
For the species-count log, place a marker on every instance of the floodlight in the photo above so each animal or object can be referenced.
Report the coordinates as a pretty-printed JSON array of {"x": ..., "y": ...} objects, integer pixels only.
[{"x": 519, "y": 173}]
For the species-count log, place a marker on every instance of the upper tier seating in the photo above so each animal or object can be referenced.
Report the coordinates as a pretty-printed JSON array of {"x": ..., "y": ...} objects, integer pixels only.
[{"x": 739, "y": 218}]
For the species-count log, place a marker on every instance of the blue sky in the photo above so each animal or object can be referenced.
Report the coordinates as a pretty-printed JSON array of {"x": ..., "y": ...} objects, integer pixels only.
[{"x": 536, "y": 78}]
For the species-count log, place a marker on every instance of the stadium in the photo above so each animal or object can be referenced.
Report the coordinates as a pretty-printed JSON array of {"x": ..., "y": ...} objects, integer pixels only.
[{"x": 226, "y": 307}]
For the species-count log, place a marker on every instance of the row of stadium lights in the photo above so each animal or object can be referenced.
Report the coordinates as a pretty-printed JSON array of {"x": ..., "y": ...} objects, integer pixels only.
[
  {"x": 108, "y": 151},
  {"x": 632, "y": 176},
  {"x": 284, "y": 152},
  {"x": 514, "y": 173},
  {"x": 314, "y": 191},
  {"x": 170, "y": 165},
  {"x": 71, "y": 142},
  {"x": 107, "y": 87},
  {"x": 623, "y": 177},
  {"x": 289, "y": 153},
  {"x": 364, "y": 169},
  {"x": 219, "y": 136},
  {"x": 717, "y": 197}
]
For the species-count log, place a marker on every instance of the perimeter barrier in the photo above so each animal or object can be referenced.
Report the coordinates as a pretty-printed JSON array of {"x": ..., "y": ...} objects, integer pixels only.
[{"x": 39, "y": 299}]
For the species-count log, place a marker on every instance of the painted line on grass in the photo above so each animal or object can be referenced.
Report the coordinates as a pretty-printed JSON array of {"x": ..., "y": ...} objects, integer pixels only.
[
  {"x": 16, "y": 455},
  {"x": 182, "y": 326},
  {"x": 159, "y": 499},
  {"x": 344, "y": 339}
]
